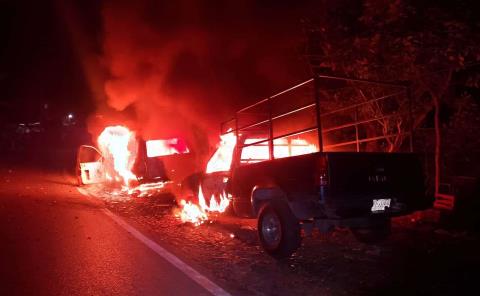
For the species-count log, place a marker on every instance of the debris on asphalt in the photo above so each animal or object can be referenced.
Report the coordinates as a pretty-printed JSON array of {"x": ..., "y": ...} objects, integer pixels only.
[{"x": 227, "y": 249}]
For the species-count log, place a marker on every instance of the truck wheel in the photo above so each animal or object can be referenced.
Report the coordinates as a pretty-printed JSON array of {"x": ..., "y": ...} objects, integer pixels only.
[
  {"x": 374, "y": 234},
  {"x": 278, "y": 229}
]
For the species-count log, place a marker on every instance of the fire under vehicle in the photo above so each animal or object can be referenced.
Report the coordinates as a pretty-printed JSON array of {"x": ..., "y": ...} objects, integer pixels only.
[{"x": 295, "y": 164}]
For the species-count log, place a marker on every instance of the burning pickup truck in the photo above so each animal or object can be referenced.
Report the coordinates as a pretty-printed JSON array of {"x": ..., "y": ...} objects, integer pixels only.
[{"x": 294, "y": 178}]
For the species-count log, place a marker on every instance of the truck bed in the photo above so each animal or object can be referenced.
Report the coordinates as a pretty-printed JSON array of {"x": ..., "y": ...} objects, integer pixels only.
[{"x": 354, "y": 180}]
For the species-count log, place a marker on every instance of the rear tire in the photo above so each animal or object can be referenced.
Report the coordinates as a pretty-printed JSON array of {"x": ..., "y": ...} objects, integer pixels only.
[
  {"x": 378, "y": 232},
  {"x": 278, "y": 229}
]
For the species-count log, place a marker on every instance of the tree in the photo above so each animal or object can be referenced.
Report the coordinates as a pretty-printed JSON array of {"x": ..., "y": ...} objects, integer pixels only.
[{"x": 425, "y": 44}]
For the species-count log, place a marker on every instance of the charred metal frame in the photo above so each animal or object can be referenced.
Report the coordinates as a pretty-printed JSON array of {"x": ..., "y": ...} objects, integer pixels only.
[{"x": 404, "y": 89}]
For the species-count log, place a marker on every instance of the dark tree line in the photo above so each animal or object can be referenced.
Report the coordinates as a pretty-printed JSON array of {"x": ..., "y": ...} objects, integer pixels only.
[{"x": 433, "y": 46}]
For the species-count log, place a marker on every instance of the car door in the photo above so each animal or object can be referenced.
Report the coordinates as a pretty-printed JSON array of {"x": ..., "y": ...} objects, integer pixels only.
[{"x": 90, "y": 167}]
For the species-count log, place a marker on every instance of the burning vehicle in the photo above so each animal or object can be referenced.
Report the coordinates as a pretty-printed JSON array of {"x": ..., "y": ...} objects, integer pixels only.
[
  {"x": 277, "y": 162},
  {"x": 283, "y": 162},
  {"x": 125, "y": 165}
]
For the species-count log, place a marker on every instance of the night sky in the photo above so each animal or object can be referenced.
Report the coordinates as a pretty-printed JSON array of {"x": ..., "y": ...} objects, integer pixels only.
[
  {"x": 151, "y": 64},
  {"x": 37, "y": 62},
  {"x": 187, "y": 53}
]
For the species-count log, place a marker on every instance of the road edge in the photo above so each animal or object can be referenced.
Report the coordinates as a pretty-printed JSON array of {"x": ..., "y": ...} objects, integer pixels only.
[{"x": 189, "y": 271}]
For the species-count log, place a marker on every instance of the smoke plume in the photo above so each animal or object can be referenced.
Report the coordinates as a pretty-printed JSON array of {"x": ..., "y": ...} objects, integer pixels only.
[{"x": 178, "y": 68}]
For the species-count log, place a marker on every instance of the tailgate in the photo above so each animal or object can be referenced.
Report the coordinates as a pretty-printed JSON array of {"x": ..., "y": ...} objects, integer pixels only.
[{"x": 356, "y": 179}]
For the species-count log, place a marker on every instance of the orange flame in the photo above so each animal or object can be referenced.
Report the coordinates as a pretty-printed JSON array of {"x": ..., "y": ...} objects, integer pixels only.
[
  {"x": 118, "y": 146},
  {"x": 220, "y": 162},
  {"x": 192, "y": 213},
  {"x": 197, "y": 214},
  {"x": 222, "y": 158},
  {"x": 281, "y": 148},
  {"x": 165, "y": 147}
]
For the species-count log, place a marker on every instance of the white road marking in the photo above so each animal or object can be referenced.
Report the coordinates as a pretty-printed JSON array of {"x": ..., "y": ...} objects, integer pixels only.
[{"x": 172, "y": 259}]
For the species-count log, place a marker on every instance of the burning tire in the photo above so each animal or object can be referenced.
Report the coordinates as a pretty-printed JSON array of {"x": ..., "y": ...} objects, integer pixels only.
[
  {"x": 378, "y": 232},
  {"x": 278, "y": 229}
]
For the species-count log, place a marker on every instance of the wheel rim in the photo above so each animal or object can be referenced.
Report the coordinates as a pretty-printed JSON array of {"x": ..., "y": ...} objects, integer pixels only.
[{"x": 271, "y": 230}]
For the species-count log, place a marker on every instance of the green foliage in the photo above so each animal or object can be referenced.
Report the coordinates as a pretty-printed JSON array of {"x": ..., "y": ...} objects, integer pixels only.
[
  {"x": 424, "y": 43},
  {"x": 400, "y": 39}
]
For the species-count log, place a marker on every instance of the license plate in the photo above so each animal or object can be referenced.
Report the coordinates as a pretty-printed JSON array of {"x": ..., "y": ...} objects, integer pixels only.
[{"x": 379, "y": 205}]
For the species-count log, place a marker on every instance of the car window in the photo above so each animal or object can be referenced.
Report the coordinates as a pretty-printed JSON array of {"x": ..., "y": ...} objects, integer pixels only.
[
  {"x": 255, "y": 153},
  {"x": 166, "y": 147},
  {"x": 281, "y": 148}
]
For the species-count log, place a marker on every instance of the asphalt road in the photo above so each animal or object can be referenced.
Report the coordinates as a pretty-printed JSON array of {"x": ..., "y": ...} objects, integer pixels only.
[{"x": 55, "y": 241}]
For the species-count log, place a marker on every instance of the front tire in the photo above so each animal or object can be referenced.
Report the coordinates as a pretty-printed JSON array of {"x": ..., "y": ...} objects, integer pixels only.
[{"x": 278, "y": 229}]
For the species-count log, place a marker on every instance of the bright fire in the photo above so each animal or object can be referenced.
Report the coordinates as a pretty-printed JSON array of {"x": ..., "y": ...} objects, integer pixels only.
[
  {"x": 220, "y": 162},
  {"x": 192, "y": 213},
  {"x": 118, "y": 146},
  {"x": 197, "y": 214},
  {"x": 281, "y": 148},
  {"x": 157, "y": 148},
  {"x": 222, "y": 159}
]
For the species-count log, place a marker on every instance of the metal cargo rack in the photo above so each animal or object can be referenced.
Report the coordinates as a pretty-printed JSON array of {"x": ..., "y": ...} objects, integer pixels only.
[{"x": 315, "y": 90}]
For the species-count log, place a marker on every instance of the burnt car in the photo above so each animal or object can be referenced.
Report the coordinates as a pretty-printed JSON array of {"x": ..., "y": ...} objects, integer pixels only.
[{"x": 159, "y": 161}]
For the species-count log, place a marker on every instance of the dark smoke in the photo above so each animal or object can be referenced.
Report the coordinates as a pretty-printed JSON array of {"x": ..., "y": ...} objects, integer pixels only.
[{"x": 179, "y": 68}]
